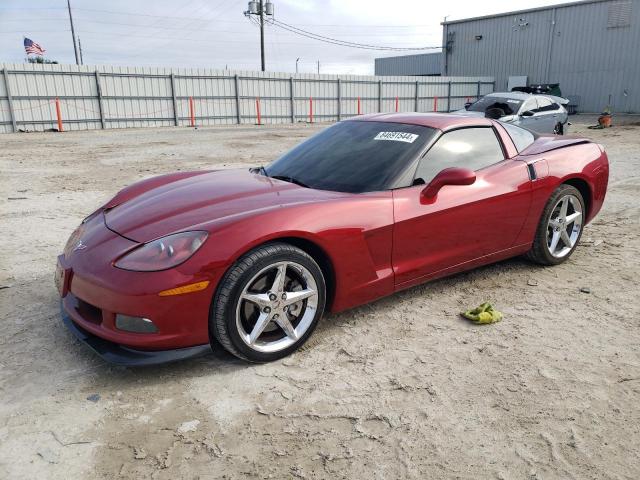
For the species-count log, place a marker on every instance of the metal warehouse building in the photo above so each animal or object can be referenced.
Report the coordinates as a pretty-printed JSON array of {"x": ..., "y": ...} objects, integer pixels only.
[
  {"x": 592, "y": 48},
  {"x": 425, "y": 64}
]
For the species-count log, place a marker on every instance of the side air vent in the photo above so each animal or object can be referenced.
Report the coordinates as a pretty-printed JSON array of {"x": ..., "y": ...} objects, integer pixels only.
[{"x": 619, "y": 14}]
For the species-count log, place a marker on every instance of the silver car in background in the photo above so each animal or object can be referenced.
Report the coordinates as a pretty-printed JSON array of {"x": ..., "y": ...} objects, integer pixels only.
[{"x": 539, "y": 113}]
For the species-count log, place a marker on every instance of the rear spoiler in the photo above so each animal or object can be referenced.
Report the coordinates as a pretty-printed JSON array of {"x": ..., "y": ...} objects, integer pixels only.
[{"x": 546, "y": 143}]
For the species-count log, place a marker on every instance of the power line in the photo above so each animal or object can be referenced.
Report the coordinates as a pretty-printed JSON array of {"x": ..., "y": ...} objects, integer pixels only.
[
  {"x": 254, "y": 21},
  {"x": 33, "y": 8},
  {"x": 189, "y": 24},
  {"x": 344, "y": 43},
  {"x": 35, "y": 31}
]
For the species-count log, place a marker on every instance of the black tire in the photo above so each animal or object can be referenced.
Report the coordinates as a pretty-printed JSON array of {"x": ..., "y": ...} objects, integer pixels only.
[
  {"x": 558, "y": 129},
  {"x": 222, "y": 320},
  {"x": 539, "y": 252}
]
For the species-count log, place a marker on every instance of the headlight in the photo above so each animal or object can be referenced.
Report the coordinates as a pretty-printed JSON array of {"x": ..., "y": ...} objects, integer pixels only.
[{"x": 163, "y": 253}]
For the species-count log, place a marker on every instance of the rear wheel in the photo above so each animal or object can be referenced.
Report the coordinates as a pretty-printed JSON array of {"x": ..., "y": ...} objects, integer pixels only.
[
  {"x": 560, "y": 227},
  {"x": 268, "y": 303},
  {"x": 558, "y": 129}
]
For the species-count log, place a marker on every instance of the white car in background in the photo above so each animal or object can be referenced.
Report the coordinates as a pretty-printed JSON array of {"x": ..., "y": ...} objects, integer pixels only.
[{"x": 538, "y": 113}]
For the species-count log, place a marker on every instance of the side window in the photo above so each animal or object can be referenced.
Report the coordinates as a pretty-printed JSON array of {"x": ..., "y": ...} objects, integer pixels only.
[
  {"x": 530, "y": 105},
  {"x": 472, "y": 148},
  {"x": 544, "y": 105},
  {"x": 552, "y": 107}
]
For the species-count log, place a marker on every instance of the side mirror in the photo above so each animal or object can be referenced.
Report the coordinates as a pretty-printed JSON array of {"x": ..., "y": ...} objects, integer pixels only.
[
  {"x": 527, "y": 113},
  {"x": 467, "y": 105},
  {"x": 448, "y": 176}
]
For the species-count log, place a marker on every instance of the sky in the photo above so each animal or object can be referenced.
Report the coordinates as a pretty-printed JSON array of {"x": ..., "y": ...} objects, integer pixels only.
[{"x": 216, "y": 34}]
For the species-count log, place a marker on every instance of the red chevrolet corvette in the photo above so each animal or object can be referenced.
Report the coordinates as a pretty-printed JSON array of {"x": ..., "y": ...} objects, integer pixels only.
[{"x": 249, "y": 260}]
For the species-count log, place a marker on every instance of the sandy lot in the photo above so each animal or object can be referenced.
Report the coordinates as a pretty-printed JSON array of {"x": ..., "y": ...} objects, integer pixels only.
[{"x": 401, "y": 388}]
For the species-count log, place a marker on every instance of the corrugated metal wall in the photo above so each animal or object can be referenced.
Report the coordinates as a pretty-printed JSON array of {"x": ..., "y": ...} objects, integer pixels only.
[
  {"x": 590, "y": 48},
  {"x": 121, "y": 97},
  {"x": 421, "y": 64}
]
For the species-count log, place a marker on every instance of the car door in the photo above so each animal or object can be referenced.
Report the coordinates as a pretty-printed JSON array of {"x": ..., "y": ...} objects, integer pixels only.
[
  {"x": 462, "y": 223},
  {"x": 546, "y": 115},
  {"x": 530, "y": 105}
]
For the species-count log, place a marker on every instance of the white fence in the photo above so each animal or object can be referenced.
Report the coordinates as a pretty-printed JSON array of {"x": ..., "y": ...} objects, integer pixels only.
[{"x": 120, "y": 97}]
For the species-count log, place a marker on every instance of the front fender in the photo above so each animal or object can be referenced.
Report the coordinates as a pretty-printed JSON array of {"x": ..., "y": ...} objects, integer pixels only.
[{"x": 354, "y": 233}]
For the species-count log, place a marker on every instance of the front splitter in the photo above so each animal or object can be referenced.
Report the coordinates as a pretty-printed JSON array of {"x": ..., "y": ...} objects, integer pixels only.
[{"x": 129, "y": 357}]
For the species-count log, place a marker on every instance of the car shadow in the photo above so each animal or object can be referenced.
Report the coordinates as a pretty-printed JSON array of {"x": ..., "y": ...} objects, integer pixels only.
[{"x": 222, "y": 362}]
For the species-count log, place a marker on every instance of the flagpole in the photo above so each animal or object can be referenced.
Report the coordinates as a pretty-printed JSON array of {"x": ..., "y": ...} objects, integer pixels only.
[{"x": 73, "y": 33}]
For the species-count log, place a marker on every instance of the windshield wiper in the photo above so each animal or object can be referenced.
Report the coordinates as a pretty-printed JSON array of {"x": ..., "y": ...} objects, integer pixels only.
[{"x": 290, "y": 180}]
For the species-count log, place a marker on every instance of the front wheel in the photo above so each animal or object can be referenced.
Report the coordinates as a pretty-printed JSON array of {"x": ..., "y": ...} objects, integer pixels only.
[
  {"x": 560, "y": 227},
  {"x": 268, "y": 303}
]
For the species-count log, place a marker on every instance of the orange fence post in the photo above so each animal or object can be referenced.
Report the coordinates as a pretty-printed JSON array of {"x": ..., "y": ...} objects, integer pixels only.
[
  {"x": 192, "y": 112},
  {"x": 59, "y": 115},
  {"x": 258, "y": 110},
  {"x": 435, "y": 104},
  {"x": 359, "y": 109},
  {"x": 396, "y": 104},
  {"x": 310, "y": 110}
]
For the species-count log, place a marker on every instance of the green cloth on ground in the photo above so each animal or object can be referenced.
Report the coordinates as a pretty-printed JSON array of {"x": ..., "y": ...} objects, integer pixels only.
[{"x": 483, "y": 314}]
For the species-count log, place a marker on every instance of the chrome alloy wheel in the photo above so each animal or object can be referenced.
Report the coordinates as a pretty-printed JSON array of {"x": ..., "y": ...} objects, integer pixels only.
[
  {"x": 564, "y": 226},
  {"x": 276, "y": 307}
]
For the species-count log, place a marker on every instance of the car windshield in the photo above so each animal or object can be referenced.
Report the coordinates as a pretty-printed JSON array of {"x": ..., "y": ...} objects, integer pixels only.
[
  {"x": 509, "y": 106},
  {"x": 352, "y": 156}
]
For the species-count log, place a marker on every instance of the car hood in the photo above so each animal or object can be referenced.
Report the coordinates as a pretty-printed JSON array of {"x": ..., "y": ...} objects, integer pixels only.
[{"x": 197, "y": 201}]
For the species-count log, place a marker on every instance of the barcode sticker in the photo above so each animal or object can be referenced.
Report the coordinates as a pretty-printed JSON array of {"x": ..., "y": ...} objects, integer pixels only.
[{"x": 397, "y": 136}]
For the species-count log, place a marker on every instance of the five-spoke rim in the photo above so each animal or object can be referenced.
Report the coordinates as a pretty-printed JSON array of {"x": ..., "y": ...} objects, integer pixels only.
[
  {"x": 564, "y": 226},
  {"x": 277, "y": 306}
]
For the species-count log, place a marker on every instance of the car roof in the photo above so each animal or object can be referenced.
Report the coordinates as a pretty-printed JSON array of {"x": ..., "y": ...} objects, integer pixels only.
[
  {"x": 441, "y": 121},
  {"x": 514, "y": 95}
]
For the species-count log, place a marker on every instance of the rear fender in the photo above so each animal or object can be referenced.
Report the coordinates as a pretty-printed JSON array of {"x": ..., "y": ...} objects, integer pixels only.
[{"x": 584, "y": 164}]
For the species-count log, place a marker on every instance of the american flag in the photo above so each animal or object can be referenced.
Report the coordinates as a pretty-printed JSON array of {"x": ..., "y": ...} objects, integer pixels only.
[{"x": 32, "y": 47}]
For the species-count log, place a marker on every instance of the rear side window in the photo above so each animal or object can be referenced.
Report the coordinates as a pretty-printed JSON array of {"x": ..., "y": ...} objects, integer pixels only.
[
  {"x": 473, "y": 148},
  {"x": 546, "y": 105},
  {"x": 521, "y": 138},
  {"x": 530, "y": 105}
]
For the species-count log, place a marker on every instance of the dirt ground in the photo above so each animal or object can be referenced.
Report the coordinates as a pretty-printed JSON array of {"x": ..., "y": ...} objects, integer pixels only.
[{"x": 401, "y": 388}]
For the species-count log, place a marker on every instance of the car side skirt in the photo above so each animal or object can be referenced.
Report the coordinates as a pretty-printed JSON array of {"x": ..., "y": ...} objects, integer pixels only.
[{"x": 471, "y": 264}]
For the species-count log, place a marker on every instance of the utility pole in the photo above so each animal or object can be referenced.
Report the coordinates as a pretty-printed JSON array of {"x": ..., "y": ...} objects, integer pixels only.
[
  {"x": 262, "y": 33},
  {"x": 318, "y": 67},
  {"x": 80, "y": 48},
  {"x": 260, "y": 9},
  {"x": 297, "y": 60},
  {"x": 73, "y": 33}
]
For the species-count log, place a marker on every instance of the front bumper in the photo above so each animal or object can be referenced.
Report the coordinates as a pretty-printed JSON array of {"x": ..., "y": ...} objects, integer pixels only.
[
  {"x": 94, "y": 292},
  {"x": 129, "y": 357}
]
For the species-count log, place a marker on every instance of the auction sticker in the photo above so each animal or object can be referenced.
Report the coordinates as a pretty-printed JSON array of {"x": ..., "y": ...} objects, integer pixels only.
[{"x": 397, "y": 136}]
